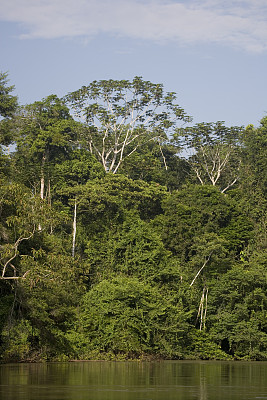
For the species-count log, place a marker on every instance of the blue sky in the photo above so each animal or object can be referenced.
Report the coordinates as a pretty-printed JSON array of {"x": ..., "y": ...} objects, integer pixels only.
[{"x": 212, "y": 53}]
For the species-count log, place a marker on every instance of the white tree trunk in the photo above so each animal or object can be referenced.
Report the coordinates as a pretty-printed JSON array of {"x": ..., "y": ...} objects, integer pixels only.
[
  {"x": 74, "y": 228},
  {"x": 42, "y": 186}
]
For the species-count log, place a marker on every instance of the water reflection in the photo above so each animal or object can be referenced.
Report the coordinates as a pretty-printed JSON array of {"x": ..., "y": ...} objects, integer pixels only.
[{"x": 168, "y": 380}]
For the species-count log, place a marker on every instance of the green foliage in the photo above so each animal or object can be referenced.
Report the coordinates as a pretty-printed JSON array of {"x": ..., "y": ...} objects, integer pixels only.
[
  {"x": 255, "y": 156},
  {"x": 166, "y": 259},
  {"x": 103, "y": 201},
  {"x": 79, "y": 168},
  {"x": 16, "y": 341},
  {"x": 48, "y": 300},
  {"x": 8, "y": 106},
  {"x": 216, "y": 152},
  {"x": 6, "y": 302},
  {"x": 157, "y": 163},
  {"x": 201, "y": 213},
  {"x": 134, "y": 250},
  {"x": 8, "y": 102},
  {"x": 204, "y": 348},
  {"x": 239, "y": 321},
  {"x": 22, "y": 215},
  {"x": 124, "y": 315},
  {"x": 46, "y": 135},
  {"x": 121, "y": 116}
]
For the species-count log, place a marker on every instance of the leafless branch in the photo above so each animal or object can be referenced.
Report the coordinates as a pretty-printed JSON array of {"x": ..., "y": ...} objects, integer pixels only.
[
  {"x": 203, "y": 266},
  {"x": 15, "y": 248}
]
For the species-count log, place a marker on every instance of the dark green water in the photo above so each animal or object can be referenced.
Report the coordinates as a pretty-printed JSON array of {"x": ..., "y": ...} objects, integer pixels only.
[{"x": 166, "y": 380}]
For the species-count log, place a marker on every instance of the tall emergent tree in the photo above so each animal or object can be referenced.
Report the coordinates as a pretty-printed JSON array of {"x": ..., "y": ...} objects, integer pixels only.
[
  {"x": 8, "y": 102},
  {"x": 8, "y": 105},
  {"x": 215, "y": 152},
  {"x": 46, "y": 132},
  {"x": 254, "y": 141},
  {"x": 120, "y": 116}
]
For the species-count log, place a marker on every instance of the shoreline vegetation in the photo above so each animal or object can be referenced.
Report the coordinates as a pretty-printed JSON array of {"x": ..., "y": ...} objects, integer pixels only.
[{"x": 127, "y": 232}]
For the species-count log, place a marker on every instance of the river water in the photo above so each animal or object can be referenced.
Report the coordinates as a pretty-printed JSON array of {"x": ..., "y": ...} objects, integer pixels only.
[{"x": 164, "y": 380}]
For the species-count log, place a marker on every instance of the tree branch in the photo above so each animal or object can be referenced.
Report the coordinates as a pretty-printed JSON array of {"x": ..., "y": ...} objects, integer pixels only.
[
  {"x": 8, "y": 262},
  {"x": 203, "y": 266}
]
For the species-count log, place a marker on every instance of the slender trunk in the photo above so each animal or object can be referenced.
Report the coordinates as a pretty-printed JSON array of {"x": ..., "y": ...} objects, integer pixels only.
[
  {"x": 48, "y": 193},
  {"x": 206, "y": 306},
  {"x": 203, "y": 266},
  {"x": 164, "y": 159},
  {"x": 42, "y": 183},
  {"x": 74, "y": 227},
  {"x": 49, "y": 202},
  {"x": 42, "y": 186},
  {"x": 202, "y": 309}
]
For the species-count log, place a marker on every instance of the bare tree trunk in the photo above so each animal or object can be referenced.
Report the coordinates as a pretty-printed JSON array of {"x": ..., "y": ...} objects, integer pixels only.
[
  {"x": 49, "y": 192},
  {"x": 203, "y": 266},
  {"x": 164, "y": 159},
  {"x": 202, "y": 310},
  {"x": 49, "y": 201},
  {"x": 206, "y": 306},
  {"x": 41, "y": 192},
  {"x": 74, "y": 228},
  {"x": 14, "y": 255},
  {"x": 42, "y": 186}
]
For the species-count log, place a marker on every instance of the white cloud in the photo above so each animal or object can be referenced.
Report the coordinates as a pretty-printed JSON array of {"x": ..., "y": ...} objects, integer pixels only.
[{"x": 239, "y": 23}]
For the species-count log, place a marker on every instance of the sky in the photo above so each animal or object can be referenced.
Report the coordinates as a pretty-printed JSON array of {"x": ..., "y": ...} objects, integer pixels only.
[{"x": 211, "y": 53}]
